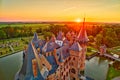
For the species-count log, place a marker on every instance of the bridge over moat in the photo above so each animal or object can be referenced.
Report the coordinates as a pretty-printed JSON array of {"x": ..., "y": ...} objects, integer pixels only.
[{"x": 106, "y": 55}]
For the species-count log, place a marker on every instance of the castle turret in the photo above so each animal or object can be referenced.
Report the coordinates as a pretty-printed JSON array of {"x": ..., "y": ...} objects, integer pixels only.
[
  {"x": 82, "y": 36},
  {"x": 83, "y": 39},
  {"x": 75, "y": 55},
  {"x": 60, "y": 38}
]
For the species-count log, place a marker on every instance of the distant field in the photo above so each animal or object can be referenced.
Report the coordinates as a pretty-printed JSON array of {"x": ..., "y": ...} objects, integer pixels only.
[
  {"x": 23, "y": 24},
  {"x": 34, "y": 26}
]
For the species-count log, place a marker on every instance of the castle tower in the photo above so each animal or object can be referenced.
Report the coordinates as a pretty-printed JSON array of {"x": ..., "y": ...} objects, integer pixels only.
[
  {"x": 75, "y": 55},
  {"x": 83, "y": 39},
  {"x": 60, "y": 38}
]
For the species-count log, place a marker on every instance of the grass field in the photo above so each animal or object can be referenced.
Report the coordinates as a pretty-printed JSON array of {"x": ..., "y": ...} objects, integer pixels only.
[
  {"x": 34, "y": 26},
  {"x": 23, "y": 24},
  {"x": 112, "y": 73},
  {"x": 90, "y": 51},
  {"x": 114, "y": 50}
]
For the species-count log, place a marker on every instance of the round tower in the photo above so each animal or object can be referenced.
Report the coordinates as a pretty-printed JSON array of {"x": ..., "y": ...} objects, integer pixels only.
[{"x": 83, "y": 39}]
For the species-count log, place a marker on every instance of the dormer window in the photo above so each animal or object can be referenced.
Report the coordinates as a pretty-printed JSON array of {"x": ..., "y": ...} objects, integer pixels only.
[{"x": 59, "y": 42}]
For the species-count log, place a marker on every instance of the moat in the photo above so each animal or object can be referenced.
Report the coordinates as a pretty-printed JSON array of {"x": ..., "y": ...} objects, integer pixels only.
[{"x": 96, "y": 67}]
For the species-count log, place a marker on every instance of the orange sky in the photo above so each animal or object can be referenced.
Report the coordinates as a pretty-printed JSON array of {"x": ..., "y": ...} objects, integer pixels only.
[{"x": 60, "y": 10}]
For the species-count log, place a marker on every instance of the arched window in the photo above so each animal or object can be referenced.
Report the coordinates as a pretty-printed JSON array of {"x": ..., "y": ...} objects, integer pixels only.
[
  {"x": 73, "y": 70},
  {"x": 69, "y": 59},
  {"x": 64, "y": 77},
  {"x": 74, "y": 58}
]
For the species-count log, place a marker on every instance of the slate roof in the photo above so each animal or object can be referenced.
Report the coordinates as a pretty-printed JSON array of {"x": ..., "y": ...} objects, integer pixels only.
[
  {"x": 52, "y": 61},
  {"x": 82, "y": 36},
  {"x": 41, "y": 44},
  {"x": 35, "y": 40},
  {"x": 50, "y": 46},
  {"x": 65, "y": 42},
  {"x": 27, "y": 69},
  {"x": 59, "y": 36},
  {"x": 76, "y": 47},
  {"x": 27, "y": 66},
  {"x": 63, "y": 53}
]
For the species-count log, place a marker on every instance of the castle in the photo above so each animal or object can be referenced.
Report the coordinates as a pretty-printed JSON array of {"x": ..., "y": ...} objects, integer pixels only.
[{"x": 60, "y": 58}]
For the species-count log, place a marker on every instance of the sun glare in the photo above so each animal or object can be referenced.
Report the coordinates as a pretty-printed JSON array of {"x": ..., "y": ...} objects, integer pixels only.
[{"x": 78, "y": 20}]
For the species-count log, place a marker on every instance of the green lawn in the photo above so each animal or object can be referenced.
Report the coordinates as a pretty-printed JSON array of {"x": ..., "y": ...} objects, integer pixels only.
[
  {"x": 112, "y": 73},
  {"x": 90, "y": 50},
  {"x": 23, "y": 24},
  {"x": 34, "y": 26},
  {"x": 115, "y": 50},
  {"x": 7, "y": 50},
  {"x": 22, "y": 42}
]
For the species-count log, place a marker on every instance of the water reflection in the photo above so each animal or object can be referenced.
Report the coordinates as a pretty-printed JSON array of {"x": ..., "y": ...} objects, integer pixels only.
[
  {"x": 9, "y": 65},
  {"x": 97, "y": 68}
]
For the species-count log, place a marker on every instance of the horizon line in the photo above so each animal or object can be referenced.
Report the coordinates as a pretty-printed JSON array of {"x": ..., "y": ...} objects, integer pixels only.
[{"x": 20, "y": 21}]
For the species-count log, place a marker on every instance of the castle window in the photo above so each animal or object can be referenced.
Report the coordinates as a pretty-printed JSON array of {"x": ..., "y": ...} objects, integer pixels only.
[
  {"x": 57, "y": 54},
  {"x": 66, "y": 61},
  {"x": 64, "y": 77},
  {"x": 62, "y": 73},
  {"x": 67, "y": 66},
  {"x": 69, "y": 59},
  {"x": 73, "y": 70},
  {"x": 73, "y": 78},
  {"x": 67, "y": 74},
  {"x": 74, "y": 58}
]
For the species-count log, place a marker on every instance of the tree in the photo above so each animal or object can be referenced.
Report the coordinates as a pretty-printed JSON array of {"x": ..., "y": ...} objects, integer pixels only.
[
  {"x": 11, "y": 32},
  {"x": 91, "y": 38},
  {"x": 47, "y": 34},
  {"x": 99, "y": 40},
  {"x": 39, "y": 30},
  {"x": 30, "y": 31},
  {"x": 2, "y": 35},
  {"x": 110, "y": 37},
  {"x": 6, "y": 30}
]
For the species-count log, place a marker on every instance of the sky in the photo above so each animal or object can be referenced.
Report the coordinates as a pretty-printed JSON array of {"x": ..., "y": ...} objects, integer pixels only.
[{"x": 60, "y": 10}]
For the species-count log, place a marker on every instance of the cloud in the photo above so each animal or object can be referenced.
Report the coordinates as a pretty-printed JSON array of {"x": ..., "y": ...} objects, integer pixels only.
[{"x": 70, "y": 8}]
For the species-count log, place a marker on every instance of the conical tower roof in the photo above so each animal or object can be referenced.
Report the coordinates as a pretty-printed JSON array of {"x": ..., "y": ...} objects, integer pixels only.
[
  {"x": 75, "y": 47},
  {"x": 35, "y": 38},
  {"x": 82, "y": 36}
]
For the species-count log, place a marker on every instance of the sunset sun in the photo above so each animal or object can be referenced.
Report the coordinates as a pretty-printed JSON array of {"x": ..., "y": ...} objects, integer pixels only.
[{"x": 78, "y": 20}]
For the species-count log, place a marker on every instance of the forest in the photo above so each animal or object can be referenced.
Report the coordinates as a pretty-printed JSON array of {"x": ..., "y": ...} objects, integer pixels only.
[{"x": 105, "y": 33}]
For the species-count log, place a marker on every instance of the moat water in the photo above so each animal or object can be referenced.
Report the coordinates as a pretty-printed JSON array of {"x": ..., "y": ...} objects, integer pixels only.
[{"x": 96, "y": 68}]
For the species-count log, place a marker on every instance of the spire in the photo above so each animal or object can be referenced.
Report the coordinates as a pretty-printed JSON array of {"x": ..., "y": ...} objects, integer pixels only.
[
  {"x": 30, "y": 56},
  {"x": 35, "y": 38},
  {"x": 82, "y": 36},
  {"x": 60, "y": 36}
]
